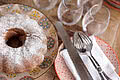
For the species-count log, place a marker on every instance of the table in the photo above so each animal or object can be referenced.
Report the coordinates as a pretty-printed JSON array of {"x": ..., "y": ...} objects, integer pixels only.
[{"x": 111, "y": 36}]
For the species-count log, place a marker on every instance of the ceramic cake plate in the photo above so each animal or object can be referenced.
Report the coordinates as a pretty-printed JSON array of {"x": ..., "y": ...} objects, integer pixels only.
[{"x": 52, "y": 44}]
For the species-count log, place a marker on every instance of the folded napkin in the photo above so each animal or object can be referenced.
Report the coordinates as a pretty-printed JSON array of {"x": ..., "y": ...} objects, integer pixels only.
[{"x": 98, "y": 54}]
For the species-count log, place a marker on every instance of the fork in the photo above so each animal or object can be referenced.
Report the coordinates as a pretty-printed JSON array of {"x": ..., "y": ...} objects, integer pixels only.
[{"x": 83, "y": 44}]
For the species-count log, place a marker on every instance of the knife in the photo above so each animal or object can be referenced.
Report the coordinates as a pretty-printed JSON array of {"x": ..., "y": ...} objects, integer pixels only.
[{"x": 77, "y": 61}]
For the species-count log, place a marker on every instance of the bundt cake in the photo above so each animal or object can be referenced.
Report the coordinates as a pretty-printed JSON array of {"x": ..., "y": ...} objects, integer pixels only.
[{"x": 23, "y": 43}]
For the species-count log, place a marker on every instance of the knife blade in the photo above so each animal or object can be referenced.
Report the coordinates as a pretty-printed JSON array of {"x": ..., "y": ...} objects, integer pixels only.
[{"x": 77, "y": 61}]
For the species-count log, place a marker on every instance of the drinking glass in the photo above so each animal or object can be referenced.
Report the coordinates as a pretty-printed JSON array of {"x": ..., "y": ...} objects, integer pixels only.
[
  {"x": 89, "y": 3},
  {"x": 96, "y": 22},
  {"x": 45, "y": 4},
  {"x": 70, "y": 11}
]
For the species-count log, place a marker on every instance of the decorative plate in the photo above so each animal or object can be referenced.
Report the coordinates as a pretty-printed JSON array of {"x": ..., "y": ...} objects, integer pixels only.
[
  {"x": 113, "y": 4},
  {"x": 64, "y": 73},
  {"x": 51, "y": 36},
  {"x": 115, "y": 1}
]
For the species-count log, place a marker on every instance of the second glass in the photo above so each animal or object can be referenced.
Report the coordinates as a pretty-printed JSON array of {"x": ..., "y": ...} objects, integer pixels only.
[{"x": 96, "y": 22}]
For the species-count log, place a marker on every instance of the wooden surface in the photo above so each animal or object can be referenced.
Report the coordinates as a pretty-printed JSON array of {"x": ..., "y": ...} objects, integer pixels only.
[{"x": 111, "y": 36}]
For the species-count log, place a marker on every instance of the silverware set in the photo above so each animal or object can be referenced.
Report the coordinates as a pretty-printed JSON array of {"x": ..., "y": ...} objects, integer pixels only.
[
  {"x": 84, "y": 45},
  {"x": 73, "y": 53}
]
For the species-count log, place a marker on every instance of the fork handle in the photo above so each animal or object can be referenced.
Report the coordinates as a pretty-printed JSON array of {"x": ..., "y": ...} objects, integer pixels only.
[
  {"x": 101, "y": 75},
  {"x": 99, "y": 69},
  {"x": 106, "y": 76},
  {"x": 93, "y": 62}
]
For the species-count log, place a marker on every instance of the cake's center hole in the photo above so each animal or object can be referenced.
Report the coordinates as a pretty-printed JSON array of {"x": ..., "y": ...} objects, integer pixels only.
[{"x": 15, "y": 37}]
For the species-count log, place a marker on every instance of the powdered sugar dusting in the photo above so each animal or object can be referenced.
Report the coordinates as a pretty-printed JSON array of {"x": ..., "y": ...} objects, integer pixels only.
[{"x": 34, "y": 42}]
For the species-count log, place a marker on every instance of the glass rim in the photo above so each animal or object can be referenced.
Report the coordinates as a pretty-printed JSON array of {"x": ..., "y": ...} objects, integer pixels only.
[
  {"x": 35, "y": 2},
  {"x": 84, "y": 26},
  {"x": 64, "y": 22},
  {"x": 106, "y": 9},
  {"x": 63, "y": 1}
]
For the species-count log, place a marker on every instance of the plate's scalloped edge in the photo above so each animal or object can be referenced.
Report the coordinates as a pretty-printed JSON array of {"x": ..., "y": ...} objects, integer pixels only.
[
  {"x": 113, "y": 52},
  {"x": 55, "y": 62}
]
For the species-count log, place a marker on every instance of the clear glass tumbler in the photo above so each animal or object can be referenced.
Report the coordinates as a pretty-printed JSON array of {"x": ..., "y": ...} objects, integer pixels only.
[
  {"x": 70, "y": 11},
  {"x": 90, "y": 3},
  {"x": 45, "y": 4},
  {"x": 96, "y": 22}
]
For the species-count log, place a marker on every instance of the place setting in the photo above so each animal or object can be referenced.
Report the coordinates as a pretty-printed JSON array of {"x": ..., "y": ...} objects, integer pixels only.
[
  {"x": 95, "y": 53},
  {"x": 31, "y": 43}
]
